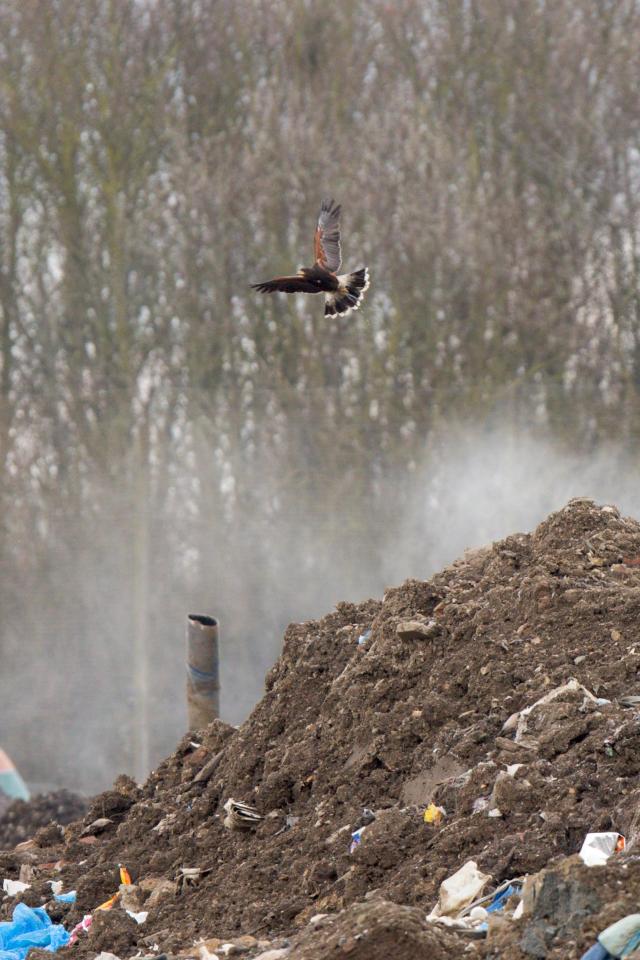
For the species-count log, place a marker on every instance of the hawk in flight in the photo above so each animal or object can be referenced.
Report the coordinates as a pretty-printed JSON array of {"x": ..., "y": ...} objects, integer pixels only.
[{"x": 343, "y": 292}]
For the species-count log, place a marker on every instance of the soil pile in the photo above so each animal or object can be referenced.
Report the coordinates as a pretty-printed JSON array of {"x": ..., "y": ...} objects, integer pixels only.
[
  {"x": 380, "y": 708},
  {"x": 22, "y": 818}
]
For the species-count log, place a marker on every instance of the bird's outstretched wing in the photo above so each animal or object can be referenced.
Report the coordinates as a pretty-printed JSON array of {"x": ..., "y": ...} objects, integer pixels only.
[
  {"x": 295, "y": 284},
  {"x": 327, "y": 238}
]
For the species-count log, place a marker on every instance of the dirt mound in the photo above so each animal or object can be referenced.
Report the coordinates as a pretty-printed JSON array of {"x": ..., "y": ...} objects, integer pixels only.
[
  {"x": 376, "y": 931},
  {"x": 22, "y": 818},
  {"x": 383, "y": 707}
]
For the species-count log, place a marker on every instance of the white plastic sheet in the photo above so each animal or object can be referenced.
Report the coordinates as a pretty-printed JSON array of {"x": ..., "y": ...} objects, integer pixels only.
[
  {"x": 460, "y": 889},
  {"x": 598, "y": 847},
  {"x": 12, "y": 887}
]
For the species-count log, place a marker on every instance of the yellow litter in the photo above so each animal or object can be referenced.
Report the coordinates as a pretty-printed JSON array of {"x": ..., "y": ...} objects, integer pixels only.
[{"x": 433, "y": 814}]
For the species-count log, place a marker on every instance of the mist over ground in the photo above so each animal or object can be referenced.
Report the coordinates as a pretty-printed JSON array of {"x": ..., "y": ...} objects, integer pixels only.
[
  {"x": 172, "y": 442},
  {"x": 484, "y": 484},
  {"x": 473, "y": 486}
]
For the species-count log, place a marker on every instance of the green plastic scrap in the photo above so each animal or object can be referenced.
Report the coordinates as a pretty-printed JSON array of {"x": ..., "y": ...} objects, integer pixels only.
[{"x": 622, "y": 937}]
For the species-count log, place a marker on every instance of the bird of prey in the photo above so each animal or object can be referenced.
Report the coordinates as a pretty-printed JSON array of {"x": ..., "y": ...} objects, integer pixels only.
[{"x": 343, "y": 292}]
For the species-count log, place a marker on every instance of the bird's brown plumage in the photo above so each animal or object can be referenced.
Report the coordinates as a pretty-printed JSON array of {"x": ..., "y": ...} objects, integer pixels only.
[
  {"x": 343, "y": 293},
  {"x": 296, "y": 284},
  {"x": 327, "y": 238}
]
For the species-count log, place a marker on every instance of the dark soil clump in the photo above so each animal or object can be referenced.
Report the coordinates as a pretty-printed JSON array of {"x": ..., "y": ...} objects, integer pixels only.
[{"x": 23, "y": 817}]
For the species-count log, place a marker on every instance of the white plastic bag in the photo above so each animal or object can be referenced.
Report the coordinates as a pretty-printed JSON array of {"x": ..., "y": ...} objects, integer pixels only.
[
  {"x": 460, "y": 889},
  {"x": 598, "y": 847}
]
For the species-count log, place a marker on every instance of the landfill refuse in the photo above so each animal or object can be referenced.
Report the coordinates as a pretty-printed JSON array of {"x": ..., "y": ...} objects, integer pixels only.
[
  {"x": 459, "y": 890},
  {"x": 139, "y": 916},
  {"x": 596, "y": 952},
  {"x": 69, "y": 897},
  {"x": 30, "y": 927},
  {"x": 368, "y": 816},
  {"x": 416, "y": 629},
  {"x": 83, "y": 926},
  {"x": 12, "y": 887},
  {"x": 396, "y": 726},
  {"x": 500, "y": 896},
  {"x": 189, "y": 877},
  {"x": 519, "y": 722},
  {"x": 598, "y": 847},
  {"x": 476, "y": 914},
  {"x": 356, "y": 837},
  {"x": 433, "y": 814},
  {"x": 631, "y": 700},
  {"x": 623, "y": 937},
  {"x": 241, "y": 816}
]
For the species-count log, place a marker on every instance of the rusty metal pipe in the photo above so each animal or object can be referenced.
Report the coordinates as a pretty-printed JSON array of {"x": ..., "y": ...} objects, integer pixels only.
[{"x": 203, "y": 680}]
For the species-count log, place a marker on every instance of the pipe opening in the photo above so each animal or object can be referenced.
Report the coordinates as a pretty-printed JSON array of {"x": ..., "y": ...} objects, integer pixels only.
[{"x": 203, "y": 619}]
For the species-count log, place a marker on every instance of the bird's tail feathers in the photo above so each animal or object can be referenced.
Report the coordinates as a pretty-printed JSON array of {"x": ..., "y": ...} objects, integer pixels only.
[{"x": 349, "y": 294}]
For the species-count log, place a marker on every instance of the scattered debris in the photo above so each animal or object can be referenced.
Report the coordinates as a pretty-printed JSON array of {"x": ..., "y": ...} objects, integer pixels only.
[
  {"x": 83, "y": 926},
  {"x": 620, "y": 939},
  {"x": 459, "y": 890},
  {"x": 356, "y": 838},
  {"x": 596, "y": 952},
  {"x": 241, "y": 816},
  {"x": 140, "y": 916},
  {"x": 631, "y": 700},
  {"x": 598, "y": 847},
  {"x": 623, "y": 937},
  {"x": 368, "y": 816},
  {"x": 12, "y": 887},
  {"x": 434, "y": 814},
  {"x": 97, "y": 826},
  {"x": 519, "y": 721},
  {"x": 189, "y": 877},
  {"x": 69, "y": 897},
  {"x": 417, "y": 629},
  {"x": 397, "y": 728},
  {"x": 30, "y": 927},
  {"x": 206, "y": 772}
]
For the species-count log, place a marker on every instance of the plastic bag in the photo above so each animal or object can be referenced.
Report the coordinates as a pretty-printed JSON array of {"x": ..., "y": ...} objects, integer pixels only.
[
  {"x": 459, "y": 890},
  {"x": 30, "y": 927},
  {"x": 598, "y": 847}
]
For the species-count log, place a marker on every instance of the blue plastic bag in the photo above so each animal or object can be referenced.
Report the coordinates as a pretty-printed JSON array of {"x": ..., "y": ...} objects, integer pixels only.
[
  {"x": 501, "y": 898},
  {"x": 30, "y": 927},
  {"x": 69, "y": 897},
  {"x": 596, "y": 952}
]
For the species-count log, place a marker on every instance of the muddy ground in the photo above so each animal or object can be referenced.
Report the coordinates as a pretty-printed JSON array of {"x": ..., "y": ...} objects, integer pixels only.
[{"x": 362, "y": 711}]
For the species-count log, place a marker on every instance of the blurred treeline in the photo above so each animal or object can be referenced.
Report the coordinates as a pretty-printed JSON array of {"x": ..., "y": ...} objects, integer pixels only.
[{"x": 171, "y": 442}]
